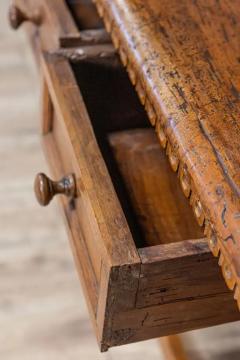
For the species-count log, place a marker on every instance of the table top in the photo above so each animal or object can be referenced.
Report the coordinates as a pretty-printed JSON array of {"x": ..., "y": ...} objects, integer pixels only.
[{"x": 184, "y": 59}]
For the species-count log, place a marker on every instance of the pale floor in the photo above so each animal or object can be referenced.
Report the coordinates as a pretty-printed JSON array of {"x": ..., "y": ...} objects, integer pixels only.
[{"x": 43, "y": 315}]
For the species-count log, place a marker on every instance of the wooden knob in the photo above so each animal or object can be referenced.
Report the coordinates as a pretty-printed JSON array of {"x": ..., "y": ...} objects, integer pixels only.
[
  {"x": 45, "y": 189},
  {"x": 17, "y": 17}
]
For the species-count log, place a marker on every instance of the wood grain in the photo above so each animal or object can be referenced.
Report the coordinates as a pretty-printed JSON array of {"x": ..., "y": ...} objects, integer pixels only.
[
  {"x": 52, "y": 314},
  {"x": 79, "y": 145},
  {"x": 182, "y": 58},
  {"x": 160, "y": 206},
  {"x": 85, "y": 14},
  {"x": 108, "y": 261},
  {"x": 42, "y": 308},
  {"x": 173, "y": 296},
  {"x": 95, "y": 217}
]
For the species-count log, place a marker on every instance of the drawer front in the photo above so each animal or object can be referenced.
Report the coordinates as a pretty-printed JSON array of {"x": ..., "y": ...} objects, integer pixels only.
[
  {"x": 80, "y": 154},
  {"x": 87, "y": 265},
  {"x": 101, "y": 240}
]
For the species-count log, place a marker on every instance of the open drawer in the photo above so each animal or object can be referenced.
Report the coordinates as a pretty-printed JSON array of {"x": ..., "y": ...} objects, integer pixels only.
[{"x": 138, "y": 285}]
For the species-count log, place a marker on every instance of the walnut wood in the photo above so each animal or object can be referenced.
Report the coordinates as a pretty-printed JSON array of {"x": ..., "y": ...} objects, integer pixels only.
[
  {"x": 85, "y": 14},
  {"x": 161, "y": 208},
  {"x": 182, "y": 56},
  {"x": 175, "y": 294},
  {"x": 75, "y": 135},
  {"x": 17, "y": 17},
  {"x": 45, "y": 188},
  {"x": 97, "y": 224},
  {"x": 152, "y": 298},
  {"x": 95, "y": 53},
  {"x": 86, "y": 37},
  {"x": 78, "y": 243}
]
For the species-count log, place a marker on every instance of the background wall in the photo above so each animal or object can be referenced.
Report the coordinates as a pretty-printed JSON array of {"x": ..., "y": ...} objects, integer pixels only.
[{"x": 42, "y": 311}]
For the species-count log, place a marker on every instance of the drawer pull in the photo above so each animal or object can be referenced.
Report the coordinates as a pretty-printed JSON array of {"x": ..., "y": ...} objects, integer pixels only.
[
  {"x": 45, "y": 188},
  {"x": 17, "y": 17}
]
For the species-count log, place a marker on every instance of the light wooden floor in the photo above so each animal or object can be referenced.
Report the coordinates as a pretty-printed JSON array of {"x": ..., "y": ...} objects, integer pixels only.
[{"x": 42, "y": 311}]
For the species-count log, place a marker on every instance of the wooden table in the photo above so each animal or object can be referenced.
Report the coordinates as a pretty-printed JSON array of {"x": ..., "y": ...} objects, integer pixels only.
[{"x": 145, "y": 265}]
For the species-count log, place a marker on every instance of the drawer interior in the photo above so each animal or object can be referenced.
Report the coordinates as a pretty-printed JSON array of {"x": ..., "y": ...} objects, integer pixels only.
[
  {"x": 149, "y": 191},
  {"x": 163, "y": 279},
  {"x": 85, "y": 14},
  {"x": 163, "y": 213}
]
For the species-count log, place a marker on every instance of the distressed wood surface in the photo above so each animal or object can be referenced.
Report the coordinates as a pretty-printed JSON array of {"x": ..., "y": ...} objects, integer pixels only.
[
  {"x": 118, "y": 322},
  {"x": 76, "y": 141},
  {"x": 113, "y": 258},
  {"x": 43, "y": 313},
  {"x": 96, "y": 54},
  {"x": 110, "y": 247},
  {"x": 174, "y": 294},
  {"x": 104, "y": 250},
  {"x": 49, "y": 319},
  {"x": 172, "y": 272},
  {"x": 183, "y": 59}
]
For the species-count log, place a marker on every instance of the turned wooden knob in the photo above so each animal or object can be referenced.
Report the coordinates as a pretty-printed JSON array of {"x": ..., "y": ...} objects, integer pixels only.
[
  {"x": 45, "y": 188},
  {"x": 17, "y": 17}
]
